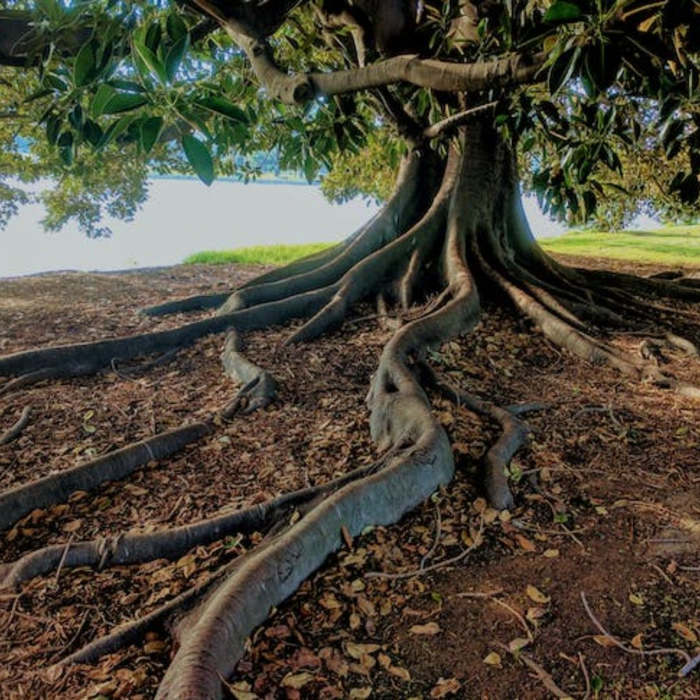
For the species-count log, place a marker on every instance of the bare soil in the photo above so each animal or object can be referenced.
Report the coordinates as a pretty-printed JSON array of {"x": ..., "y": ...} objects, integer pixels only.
[{"x": 608, "y": 494}]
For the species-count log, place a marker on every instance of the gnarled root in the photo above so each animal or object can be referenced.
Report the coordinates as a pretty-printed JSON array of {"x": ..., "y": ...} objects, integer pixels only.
[
  {"x": 135, "y": 548},
  {"x": 259, "y": 386},
  {"x": 14, "y": 431},
  {"x": 18, "y": 501}
]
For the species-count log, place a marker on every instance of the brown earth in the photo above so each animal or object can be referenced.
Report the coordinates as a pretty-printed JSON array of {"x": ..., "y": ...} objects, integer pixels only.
[{"x": 608, "y": 494}]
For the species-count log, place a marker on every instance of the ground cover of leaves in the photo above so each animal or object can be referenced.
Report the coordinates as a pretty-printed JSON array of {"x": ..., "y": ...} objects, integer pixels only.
[{"x": 607, "y": 496}]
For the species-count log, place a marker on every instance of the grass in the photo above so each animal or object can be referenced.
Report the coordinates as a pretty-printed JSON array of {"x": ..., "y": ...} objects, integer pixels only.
[
  {"x": 671, "y": 245},
  {"x": 258, "y": 254}
]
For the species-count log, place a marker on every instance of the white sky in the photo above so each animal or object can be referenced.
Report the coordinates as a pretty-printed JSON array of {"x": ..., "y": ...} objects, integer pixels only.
[{"x": 183, "y": 216}]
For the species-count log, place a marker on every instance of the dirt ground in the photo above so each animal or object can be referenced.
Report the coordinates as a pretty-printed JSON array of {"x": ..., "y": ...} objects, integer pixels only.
[{"x": 607, "y": 492}]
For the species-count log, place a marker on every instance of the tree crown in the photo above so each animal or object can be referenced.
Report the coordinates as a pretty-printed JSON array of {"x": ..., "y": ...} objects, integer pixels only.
[{"x": 594, "y": 93}]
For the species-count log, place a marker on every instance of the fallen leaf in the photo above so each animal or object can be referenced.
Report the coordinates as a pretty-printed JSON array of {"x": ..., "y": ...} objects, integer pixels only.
[
  {"x": 492, "y": 659},
  {"x": 536, "y": 595},
  {"x": 445, "y": 687},
  {"x": 604, "y": 640},
  {"x": 550, "y": 553},
  {"x": 525, "y": 544},
  {"x": 636, "y": 599},
  {"x": 399, "y": 672},
  {"x": 518, "y": 643},
  {"x": 357, "y": 651},
  {"x": 685, "y": 632},
  {"x": 360, "y": 693},
  {"x": 72, "y": 526},
  {"x": 346, "y": 536},
  {"x": 297, "y": 680},
  {"x": 636, "y": 641},
  {"x": 429, "y": 628}
]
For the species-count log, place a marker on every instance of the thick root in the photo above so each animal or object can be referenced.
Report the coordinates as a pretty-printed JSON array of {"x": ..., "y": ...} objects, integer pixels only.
[
  {"x": 17, "y": 502},
  {"x": 259, "y": 386},
  {"x": 13, "y": 432}
]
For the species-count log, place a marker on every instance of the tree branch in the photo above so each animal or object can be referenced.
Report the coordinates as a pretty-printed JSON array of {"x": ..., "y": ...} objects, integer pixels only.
[
  {"x": 454, "y": 120},
  {"x": 428, "y": 73}
]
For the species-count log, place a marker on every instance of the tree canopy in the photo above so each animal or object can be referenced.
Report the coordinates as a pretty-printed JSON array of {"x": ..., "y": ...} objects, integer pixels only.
[{"x": 597, "y": 94}]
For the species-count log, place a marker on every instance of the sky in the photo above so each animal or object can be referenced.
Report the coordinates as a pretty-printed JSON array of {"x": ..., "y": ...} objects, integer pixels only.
[{"x": 182, "y": 217}]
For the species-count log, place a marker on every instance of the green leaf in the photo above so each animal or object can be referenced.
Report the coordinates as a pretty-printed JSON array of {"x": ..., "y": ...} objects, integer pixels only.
[
  {"x": 176, "y": 27},
  {"x": 123, "y": 102},
  {"x": 562, "y": 11},
  {"x": 53, "y": 81},
  {"x": 174, "y": 56},
  {"x": 151, "y": 61},
  {"x": 103, "y": 95},
  {"x": 199, "y": 158},
  {"x": 93, "y": 133},
  {"x": 53, "y": 126},
  {"x": 563, "y": 69},
  {"x": 115, "y": 130},
  {"x": 150, "y": 131},
  {"x": 84, "y": 65},
  {"x": 220, "y": 105}
]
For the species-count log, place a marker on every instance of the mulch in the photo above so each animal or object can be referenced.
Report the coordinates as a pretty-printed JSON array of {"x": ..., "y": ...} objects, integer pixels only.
[{"x": 607, "y": 493}]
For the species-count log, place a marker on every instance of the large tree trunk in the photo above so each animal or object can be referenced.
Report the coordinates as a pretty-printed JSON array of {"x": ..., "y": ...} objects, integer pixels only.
[{"x": 452, "y": 235}]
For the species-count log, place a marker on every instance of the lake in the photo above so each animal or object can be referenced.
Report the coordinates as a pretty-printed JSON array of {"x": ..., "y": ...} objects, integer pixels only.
[{"x": 182, "y": 216}]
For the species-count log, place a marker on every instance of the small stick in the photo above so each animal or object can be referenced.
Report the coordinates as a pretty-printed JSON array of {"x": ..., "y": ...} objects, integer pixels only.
[
  {"x": 63, "y": 558},
  {"x": 438, "y": 565},
  {"x": 545, "y": 677},
  {"x": 620, "y": 645},
  {"x": 584, "y": 670},
  {"x": 518, "y": 616},
  {"x": 17, "y": 428}
]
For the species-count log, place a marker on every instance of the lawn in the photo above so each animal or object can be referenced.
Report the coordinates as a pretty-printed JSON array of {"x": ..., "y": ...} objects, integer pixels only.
[
  {"x": 671, "y": 245},
  {"x": 258, "y": 254}
]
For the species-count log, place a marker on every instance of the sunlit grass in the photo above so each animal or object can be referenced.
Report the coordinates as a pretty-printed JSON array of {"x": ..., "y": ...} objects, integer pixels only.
[
  {"x": 674, "y": 245},
  {"x": 258, "y": 254}
]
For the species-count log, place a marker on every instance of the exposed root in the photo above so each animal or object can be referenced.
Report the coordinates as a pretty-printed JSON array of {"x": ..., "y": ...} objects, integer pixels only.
[
  {"x": 11, "y": 433},
  {"x": 87, "y": 358},
  {"x": 133, "y": 631},
  {"x": 41, "y": 375},
  {"x": 400, "y": 212},
  {"x": 18, "y": 501},
  {"x": 369, "y": 275},
  {"x": 200, "y": 302},
  {"x": 136, "y": 548},
  {"x": 514, "y": 435},
  {"x": 259, "y": 386}
]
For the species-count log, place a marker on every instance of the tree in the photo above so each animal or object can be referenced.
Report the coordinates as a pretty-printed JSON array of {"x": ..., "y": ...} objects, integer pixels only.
[{"x": 462, "y": 94}]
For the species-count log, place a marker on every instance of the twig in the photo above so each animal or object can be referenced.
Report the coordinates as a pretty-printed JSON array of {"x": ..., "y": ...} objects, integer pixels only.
[
  {"x": 478, "y": 594},
  {"x": 518, "y": 616},
  {"x": 17, "y": 428},
  {"x": 445, "y": 562},
  {"x": 620, "y": 645},
  {"x": 63, "y": 557},
  {"x": 584, "y": 670},
  {"x": 545, "y": 677}
]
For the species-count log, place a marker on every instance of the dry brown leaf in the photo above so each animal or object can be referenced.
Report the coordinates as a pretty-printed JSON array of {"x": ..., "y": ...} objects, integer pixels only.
[
  {"x": 527, "y": 545},
  {"x": 73, "y": 526},
  {"x": 297, "y": 680},
  {"x": 429, "y": 628},
  {"x": 636, "y": 641},
  {"x": 360, "y": 693},
  {"x": 399, "y": 672},
  {"x": 536, "y": 595},
  {"x": 605, "y": 640},
  {"x": 492, "y": 659},
  {"x": 445, "y": 687},
  {"x": 357, "y": 651},
  {"x": 685, "y": 632},
  {"x": 518, "y": 643}
]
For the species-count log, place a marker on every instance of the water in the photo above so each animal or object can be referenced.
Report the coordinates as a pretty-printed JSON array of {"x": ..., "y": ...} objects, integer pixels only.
[{"x": 182, "y": 216}]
